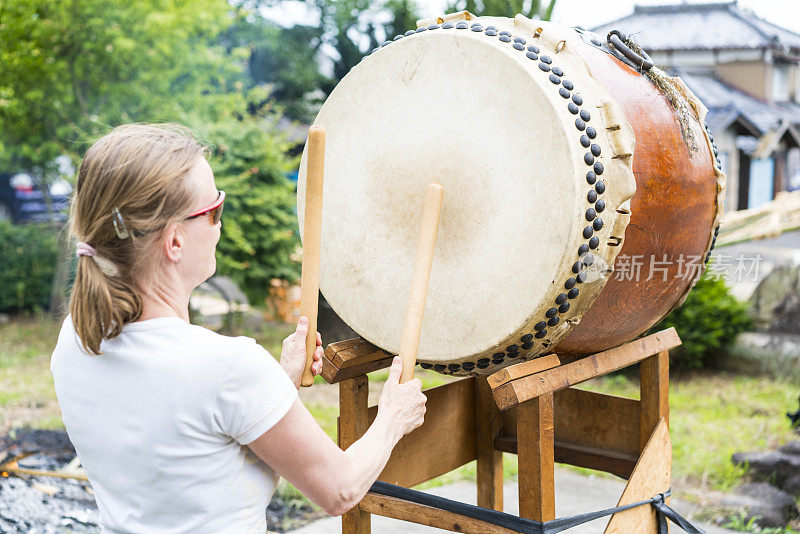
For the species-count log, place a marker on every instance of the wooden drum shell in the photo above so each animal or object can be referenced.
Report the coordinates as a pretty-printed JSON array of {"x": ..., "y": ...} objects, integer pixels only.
[{"x": 673, "y": 213}]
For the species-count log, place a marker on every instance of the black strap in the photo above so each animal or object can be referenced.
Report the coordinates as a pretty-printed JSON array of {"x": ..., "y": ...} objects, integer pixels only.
[{"x": 529, "y": 526}]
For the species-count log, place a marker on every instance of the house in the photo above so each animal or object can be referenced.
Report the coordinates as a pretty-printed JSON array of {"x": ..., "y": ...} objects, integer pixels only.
[{"x": 747, "y": 72}]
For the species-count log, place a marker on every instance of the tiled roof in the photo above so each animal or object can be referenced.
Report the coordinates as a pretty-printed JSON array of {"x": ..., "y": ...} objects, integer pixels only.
[
  {"x": 726, "y": 104},
  {"x": 718, "y": 26}
]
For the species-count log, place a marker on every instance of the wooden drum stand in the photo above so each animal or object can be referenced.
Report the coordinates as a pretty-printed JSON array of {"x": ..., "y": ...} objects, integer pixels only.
[
  {"x": 513, "y": 410},
  {"x": 529, "y": 409}
]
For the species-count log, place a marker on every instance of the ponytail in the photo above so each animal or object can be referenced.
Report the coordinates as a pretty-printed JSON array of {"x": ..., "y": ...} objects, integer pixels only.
[
  {"x": 131, "y": 185},
  {"x": 101, "y": 304}
]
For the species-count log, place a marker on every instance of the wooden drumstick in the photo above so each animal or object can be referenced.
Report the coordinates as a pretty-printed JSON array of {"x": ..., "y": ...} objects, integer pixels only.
[
  {"x": 312, "y": 234},
  {"x": 409, "y": 343}
]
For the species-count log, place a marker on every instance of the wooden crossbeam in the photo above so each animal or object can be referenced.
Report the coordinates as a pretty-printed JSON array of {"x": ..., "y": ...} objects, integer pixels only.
[
  {"x": 520, "y": 390},
  {"x": 427, "y": 515},
  {"x": 348, "y": 359}
]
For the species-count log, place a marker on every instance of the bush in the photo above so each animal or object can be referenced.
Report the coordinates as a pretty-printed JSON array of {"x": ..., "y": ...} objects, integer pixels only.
[
  {"x": 259, "y": 225},
  {"x": 707, "y": 322},
  {"x": 28, "y": 256}
]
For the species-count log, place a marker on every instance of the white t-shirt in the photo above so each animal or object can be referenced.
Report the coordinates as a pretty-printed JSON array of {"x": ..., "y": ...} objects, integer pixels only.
[{"x": 160, "y": 419}]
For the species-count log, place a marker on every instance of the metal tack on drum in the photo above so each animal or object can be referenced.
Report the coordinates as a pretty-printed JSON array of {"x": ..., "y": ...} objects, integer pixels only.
[{"x": 573, "y": 293}]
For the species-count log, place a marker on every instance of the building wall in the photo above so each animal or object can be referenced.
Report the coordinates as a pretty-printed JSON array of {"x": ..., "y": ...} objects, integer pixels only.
[
  {"x": 729, "y": 154},
  {"x": 752, "y": 77}
]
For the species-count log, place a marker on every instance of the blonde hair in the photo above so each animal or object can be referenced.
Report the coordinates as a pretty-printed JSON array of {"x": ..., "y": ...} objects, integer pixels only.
[{"x": 140, "y": 170}]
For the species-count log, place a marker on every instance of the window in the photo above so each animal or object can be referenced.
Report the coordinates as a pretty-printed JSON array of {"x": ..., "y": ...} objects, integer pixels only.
[{"x": 781, "y": 82}]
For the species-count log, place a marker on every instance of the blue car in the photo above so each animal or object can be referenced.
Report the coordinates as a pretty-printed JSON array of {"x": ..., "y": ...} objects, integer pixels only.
[{"x": 22, "y": 201}]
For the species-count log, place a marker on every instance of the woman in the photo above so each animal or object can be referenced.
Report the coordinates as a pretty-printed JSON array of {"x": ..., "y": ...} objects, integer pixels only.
[{"x": 181, "y": 429}]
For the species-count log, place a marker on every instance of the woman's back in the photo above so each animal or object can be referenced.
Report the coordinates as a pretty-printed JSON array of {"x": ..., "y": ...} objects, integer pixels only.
[{"x": 159, "y": 420}]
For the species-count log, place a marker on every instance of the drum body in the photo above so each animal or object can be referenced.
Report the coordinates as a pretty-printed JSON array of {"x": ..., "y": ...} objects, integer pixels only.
[{"x": 535, "y": 134}]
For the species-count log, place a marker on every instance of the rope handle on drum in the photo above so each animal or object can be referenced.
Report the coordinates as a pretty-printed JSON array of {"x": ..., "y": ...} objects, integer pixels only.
[
  {"x": 529, "y": 526},
  {"x": 617, "y": 39}
]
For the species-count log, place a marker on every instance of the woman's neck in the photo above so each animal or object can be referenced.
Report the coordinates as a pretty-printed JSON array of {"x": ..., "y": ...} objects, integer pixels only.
[{"x": 165, "y": 297}]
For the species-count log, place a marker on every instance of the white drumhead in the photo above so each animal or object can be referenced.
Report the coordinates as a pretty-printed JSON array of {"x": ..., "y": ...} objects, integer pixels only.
[{"x": 466, "y": 111}]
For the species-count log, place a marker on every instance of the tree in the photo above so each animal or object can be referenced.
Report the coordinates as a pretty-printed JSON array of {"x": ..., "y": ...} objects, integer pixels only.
[
  {"x": 533, "y": 9},
  {"x": 286, "y": 59},
  {"x": 71, "y": 70},
  {"x": 259, "y": 227},
  {"x": 353, "y": 28},
  {"x": 298, "y": 61}
]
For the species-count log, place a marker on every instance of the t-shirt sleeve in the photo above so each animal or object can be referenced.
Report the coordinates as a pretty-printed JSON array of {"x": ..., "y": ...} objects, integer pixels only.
[{"x": 254, "y": 395}]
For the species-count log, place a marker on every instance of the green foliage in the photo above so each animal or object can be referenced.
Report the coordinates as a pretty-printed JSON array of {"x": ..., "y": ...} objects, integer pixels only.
[
  {"x": 27, "y": 262},
  {"x": 283, "y": 58},
  {"x": 533, "y": 9},
  {"x": 707, "y": 322},
  {"x": 259, "y": 223},
  {"x": 351, "y": 29},
  {"x": 71, "y": 69},
  {"x": 740, "y": 523}
]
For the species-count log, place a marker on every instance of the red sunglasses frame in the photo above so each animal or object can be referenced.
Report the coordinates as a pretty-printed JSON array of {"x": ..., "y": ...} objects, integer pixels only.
[{"x": 216, "y": 208}]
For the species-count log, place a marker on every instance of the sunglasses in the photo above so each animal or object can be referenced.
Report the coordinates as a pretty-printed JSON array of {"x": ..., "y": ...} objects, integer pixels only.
[{"x": 215, "y": 209}]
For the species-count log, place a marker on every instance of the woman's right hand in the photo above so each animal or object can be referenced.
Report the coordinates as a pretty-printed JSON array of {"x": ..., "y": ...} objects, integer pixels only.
[{"x": 402, "y": 406}]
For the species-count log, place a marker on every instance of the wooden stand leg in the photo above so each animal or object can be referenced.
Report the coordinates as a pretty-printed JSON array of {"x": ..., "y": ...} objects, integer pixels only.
[
  {"x": 654, "y": 393},
  {"x": 535, "y": 451},
  {"x": 488, "y": 423},
  {"x": 353, "y": 423},
  {"x": 650, "y": 476}
]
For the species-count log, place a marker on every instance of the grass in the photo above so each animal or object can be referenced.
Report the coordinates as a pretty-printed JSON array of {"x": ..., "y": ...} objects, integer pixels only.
[
  {"x": 27, "y": 397},
  {"x": 713, "y": 414}
]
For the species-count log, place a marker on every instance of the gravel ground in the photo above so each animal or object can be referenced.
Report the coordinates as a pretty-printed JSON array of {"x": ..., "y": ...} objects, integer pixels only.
[{"x": 45, "y": 505}]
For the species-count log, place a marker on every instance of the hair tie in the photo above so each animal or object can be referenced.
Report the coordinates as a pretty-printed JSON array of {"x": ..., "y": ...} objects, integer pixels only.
[{"x": 82, "y": 249}]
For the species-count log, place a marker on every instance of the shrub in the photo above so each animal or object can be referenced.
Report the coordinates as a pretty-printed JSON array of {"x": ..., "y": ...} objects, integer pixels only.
[
  {"x": 28, "y": 256},
  {"x": 707, "y": 322},
  {"x": 259, "y": 225}
]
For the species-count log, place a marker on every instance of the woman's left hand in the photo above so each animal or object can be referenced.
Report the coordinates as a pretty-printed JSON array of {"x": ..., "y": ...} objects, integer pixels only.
[{"x": 293, "y": 353}]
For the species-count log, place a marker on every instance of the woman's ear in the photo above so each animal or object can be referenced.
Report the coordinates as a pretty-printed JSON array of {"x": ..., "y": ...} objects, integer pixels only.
[{"x": 174, "y": 241}]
